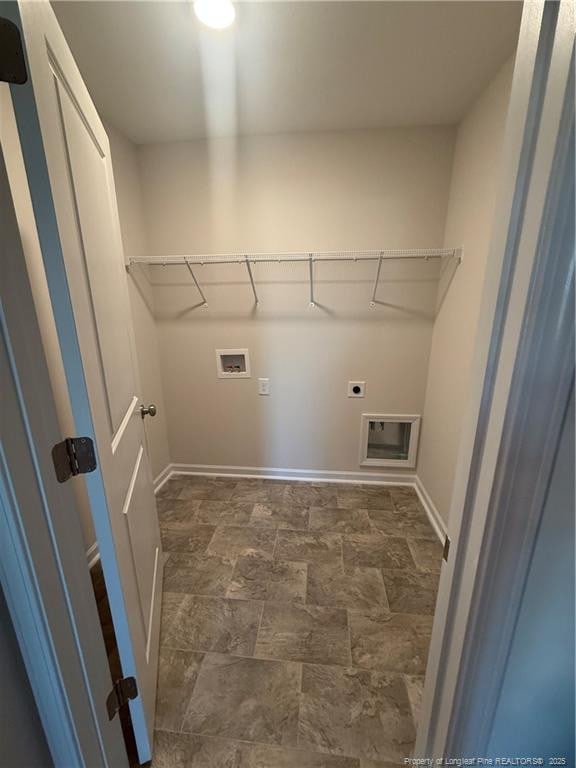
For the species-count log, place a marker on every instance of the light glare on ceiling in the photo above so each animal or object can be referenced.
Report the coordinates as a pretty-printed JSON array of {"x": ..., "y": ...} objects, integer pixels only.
[{"x": 217, "y": 14}]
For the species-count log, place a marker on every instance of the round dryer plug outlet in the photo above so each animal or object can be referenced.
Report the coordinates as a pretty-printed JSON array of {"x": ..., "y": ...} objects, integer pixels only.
[{"x": 356, "y": 388}]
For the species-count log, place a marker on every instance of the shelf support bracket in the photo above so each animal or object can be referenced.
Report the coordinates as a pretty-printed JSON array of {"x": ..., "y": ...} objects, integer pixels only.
[
  {"x": 311, "y": 273},
  {"x": 373, "y": 300},
  {"x": 196, "y": 283},
  {"x": 249, "y": 268}
]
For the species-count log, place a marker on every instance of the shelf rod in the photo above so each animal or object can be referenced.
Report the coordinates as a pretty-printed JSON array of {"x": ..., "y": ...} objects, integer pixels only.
[
  {"x": 311, "y": 272},
  {"x": 373, "y": 301},
  {"x": 249, "y": 268},
  {"x": 262, "y": 258},
  {"x": 196, "y": 283}
]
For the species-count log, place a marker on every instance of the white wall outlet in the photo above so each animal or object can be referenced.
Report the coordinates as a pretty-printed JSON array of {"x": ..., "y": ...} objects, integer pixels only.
[
  {"x": 356, "y": 388},
  {"x": 263, "y": 386}
]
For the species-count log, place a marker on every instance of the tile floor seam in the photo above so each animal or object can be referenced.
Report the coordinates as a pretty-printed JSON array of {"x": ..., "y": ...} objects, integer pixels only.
[
  {"x": 384, "y": 587},
  {"x": 275, "y": 544},
  {"x": 274, "y": 745},
  {"x": 349, "y": 625},
  {"x": 259, "y": 626},
  {"x": 280, "y": 747},
  {"x": 335, "y": 606},
  {"x": 352, "y": 666}
]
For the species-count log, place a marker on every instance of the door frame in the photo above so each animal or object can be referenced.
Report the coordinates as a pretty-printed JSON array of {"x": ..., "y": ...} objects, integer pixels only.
[
  {"x": 492, "y": 435},
  {"x": 43, "y": 566}
]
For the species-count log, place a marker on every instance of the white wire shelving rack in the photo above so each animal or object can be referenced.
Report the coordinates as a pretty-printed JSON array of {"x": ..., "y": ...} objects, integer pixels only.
[{"x": 312, "y": 257}]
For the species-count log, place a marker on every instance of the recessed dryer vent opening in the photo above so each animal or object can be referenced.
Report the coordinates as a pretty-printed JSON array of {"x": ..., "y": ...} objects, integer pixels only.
[
  {"x": 389, "y": 440},
  {"x": 233, "y": 363}
]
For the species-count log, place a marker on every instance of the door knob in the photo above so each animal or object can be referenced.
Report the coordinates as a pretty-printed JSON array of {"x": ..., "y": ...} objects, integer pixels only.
[{"x": 148, "y": 410}]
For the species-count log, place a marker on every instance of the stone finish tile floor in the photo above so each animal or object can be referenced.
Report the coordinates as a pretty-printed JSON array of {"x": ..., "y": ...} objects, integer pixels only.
[{"x": 295, "y": 625}]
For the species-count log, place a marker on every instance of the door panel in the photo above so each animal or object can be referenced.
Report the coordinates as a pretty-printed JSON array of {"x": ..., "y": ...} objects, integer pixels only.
[
  {"x": 43, "y": 566},
  {"x": 144, "y": 546},
  {"x": 91, "y": 192},
  {"x": 77, "y": 156}
]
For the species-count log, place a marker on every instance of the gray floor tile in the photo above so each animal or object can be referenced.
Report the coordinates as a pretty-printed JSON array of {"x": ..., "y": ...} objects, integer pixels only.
[
  {"x": 304, "y": 633},
  {"x": 207, "y": 490},
  {"x": 391, "y": 642},
  {"x": 177, "y": 673},
  {"x": 193, "y": 539},
  {"x": 375, "y": 550},
  {"x": 198, "y": 574},
  {"x": 260, "y": 756},
  {"x": 183, "y": 750},
  {"x": 307, "y": 495},
  {"x": 411, "y": 591},
  {"x": 247, "y": 699},
  {"x": 260, "y": 577},
  {"x": 259, "y": 492},
  {"x": 224, "y": 512},
  {"x": 280, "y": 516},
  {"x": 173, "y": 513},
  {"x": 171, "y": 602},
  {"x": 330, "y": 584},
  {"x": 308, "y": 547},
  {"x": 214, "y": 624},
  {"x": 415, "y": 688},
  {"x": 405, "y": 498},
  {"x": 339, "y": 520},
  {"x": 171, "y": 488},
  {"x": 365, "y": 497},
  {"x": 233, "y": 541},
  {"x": 427, "y": 554},
  {"x": 354, "y": 712},
  {"x": 406, "y": 523}
]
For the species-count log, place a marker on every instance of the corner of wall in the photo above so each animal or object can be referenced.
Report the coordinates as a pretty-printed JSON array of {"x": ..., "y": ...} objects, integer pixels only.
[{"x": 469, "y": 219}]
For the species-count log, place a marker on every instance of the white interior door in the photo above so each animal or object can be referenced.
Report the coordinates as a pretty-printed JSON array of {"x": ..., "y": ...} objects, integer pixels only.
[{"x": 82, "y": 189}]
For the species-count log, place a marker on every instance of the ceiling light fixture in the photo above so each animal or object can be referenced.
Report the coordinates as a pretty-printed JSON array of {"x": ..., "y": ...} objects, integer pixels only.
[{"x": 217, "y": 14}]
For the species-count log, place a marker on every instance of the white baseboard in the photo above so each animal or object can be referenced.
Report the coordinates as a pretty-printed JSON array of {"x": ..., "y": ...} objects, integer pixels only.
[
  {"x": 93, "y": 555},
  {"x": 303, "y": 475},
  {"x": 434, "y": 516},
  {"x": 312, "y": 475},
  {"x": 160, "y": 479}
]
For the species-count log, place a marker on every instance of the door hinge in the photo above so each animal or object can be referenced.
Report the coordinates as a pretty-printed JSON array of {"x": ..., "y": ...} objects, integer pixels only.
[
  {"x": 122, "y": 691},
  {"x": 12, "y": 61},
  {"x": 73, "y": 456},
  {"x": 446, "y": 549}
]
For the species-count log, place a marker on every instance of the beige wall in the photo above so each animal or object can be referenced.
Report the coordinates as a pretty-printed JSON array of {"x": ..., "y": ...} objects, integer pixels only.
[
  {"x": 318, "y": 191},
  {"x": 374, "y": 189},
  {"x": 128, "y": 192},
  {"x": 468, "y": 223}
]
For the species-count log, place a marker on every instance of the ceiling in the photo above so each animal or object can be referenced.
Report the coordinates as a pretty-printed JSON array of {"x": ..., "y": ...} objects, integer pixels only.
[{"x": 157, "y": 74}]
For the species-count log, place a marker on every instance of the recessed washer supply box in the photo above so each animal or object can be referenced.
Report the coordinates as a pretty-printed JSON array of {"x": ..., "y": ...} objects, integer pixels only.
[{"x": 233, "y": 363}]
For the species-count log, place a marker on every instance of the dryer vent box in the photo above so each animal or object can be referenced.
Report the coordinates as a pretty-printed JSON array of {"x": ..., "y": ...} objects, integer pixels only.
[{"x": 233, "y": 363}]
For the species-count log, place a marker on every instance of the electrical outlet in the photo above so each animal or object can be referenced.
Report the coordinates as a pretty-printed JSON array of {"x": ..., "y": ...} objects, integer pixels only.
[
  {"x": 263, "y": 386},
  {"x": 356, "y": 388}
]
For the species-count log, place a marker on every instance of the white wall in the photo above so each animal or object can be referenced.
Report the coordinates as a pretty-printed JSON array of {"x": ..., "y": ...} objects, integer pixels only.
[
  {"x": 128, "y": 192},
  {"x": 468, "y": 223},
  {"x": 373, "y": 189}
]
